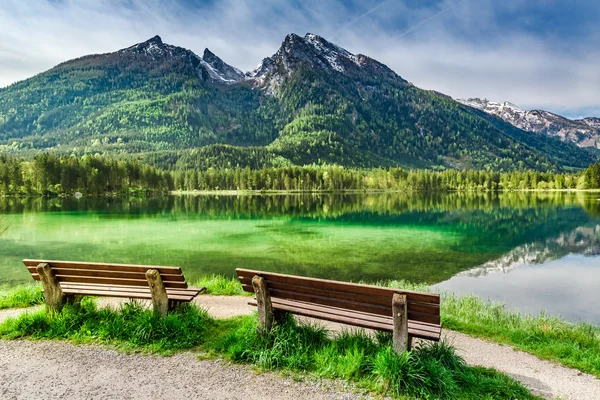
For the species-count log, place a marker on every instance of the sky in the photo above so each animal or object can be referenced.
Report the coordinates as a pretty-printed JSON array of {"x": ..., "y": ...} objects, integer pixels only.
[{"x": 538, "y": 54}]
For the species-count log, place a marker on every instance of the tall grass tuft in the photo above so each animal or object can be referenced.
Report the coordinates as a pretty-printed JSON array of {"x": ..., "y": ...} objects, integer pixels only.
[
  {"x": 430, "y": 371},
  {"x": 24, "y": 295},
  {"x": 131, "y": 327}
]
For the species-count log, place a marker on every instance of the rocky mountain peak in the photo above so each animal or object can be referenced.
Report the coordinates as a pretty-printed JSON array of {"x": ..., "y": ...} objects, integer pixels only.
[
  {"x": 315, "y": 52},
  {"x": 584, "y": 132},
  {"x": 219, "y": 70}
]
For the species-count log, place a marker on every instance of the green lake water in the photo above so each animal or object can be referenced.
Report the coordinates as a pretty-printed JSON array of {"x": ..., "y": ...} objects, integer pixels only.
[{"x": 480, "y": 243}]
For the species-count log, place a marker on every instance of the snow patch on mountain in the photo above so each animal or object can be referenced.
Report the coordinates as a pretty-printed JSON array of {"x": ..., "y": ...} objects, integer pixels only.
[
  {"x": 317, "y": 53},
  {"x": 584, "y": 133}
]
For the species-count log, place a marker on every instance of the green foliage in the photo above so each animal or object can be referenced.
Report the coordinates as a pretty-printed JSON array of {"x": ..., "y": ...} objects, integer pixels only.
[
  {"x": 48, "y": 174},
  {"x": 430, "y": 371},
  {"x": 24, "y": 295},
  {"x": 591, "y": 177}
]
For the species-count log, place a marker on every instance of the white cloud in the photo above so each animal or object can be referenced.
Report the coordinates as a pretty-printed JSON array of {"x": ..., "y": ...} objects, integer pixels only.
[{"x": 435, "y": 48}]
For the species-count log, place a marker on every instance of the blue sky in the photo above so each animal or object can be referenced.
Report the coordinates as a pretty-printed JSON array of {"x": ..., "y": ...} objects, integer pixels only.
[{"x": 534, "y": 53}]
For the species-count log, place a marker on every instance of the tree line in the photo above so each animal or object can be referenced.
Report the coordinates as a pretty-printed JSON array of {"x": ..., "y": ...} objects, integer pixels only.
[{"x": 49, "y": 174}]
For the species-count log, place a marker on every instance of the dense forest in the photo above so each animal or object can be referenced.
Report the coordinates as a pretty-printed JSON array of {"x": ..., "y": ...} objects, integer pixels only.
[{"x": 51, "y": 175}]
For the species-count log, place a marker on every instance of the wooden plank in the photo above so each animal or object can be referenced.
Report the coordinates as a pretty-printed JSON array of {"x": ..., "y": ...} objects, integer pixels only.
[
  {"x": 110, "y": 274},
  {"x": 386, "y": 320},
  {"x": 129, "y": 295},
  {"x": 354, "y": 288},
  {"x": 413, "y": 329},
  {"x": 120, "y": 288},
  {"x": 386, "y": 300},
  {"x": 105, "y": 266},
  {"x": 109, "y": 281},
  {"x": 425, "y": 329},
  {"x": 350, "y": 305}
]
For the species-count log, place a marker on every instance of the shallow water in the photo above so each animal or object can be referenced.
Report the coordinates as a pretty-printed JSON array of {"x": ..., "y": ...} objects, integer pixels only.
[{"x": 514, "y": 247}]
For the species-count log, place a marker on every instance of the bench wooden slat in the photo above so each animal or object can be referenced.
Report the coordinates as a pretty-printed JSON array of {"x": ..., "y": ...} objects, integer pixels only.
[
  {"x": 350, "y": 305},
  {"x": 433, "y": 328},
  {"x": 104, "y": 266},
  {"x": 413, "y": 327},
  {"x": 119, "y": 288},
  {"x": 115, "y": 281},
  {"x": 384, "y": 301},
  {"x": 103, "y": 273},
  {"x": 354, "y": 288},
  {"x": 125, "y": 294},
  {"x": 360, "y": 305}
]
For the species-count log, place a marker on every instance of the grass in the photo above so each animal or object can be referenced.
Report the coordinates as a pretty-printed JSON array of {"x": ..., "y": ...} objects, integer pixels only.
[
  {"x": 131, "y": 327},
  {"x": 220, "y": 285},
  {"x": 18, "y": 296},
  {"x": 431, "y": 371},
  {"x": 550, "y": 338},
  {"x": 573, "y": 345}
]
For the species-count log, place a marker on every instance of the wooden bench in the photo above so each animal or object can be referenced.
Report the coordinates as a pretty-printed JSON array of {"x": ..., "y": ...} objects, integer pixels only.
[
  {"x": 405, "y": 313},
  {"x": 67, "y": 281}
]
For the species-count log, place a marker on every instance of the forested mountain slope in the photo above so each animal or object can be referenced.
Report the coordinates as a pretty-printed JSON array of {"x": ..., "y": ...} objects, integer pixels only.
[{"x": 311, "y": 102}]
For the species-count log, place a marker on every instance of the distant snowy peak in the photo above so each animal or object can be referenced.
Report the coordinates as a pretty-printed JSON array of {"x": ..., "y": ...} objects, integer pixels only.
[
  {"x": 156, "y": 49},
  {"x": 209, "y": 65},
  {"x": 314, "y": 52},
  {"x": 584, "y": 132},
  {"x": 591, "y": 121}
]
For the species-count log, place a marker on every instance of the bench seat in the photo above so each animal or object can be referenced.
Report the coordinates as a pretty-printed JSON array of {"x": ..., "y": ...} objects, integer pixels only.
[
  {"x": 405, "y": 313},
  {"x": 422, "y": 330},
  {"x": 131, "y": 292},
  {"x": 68, "y": 280}
]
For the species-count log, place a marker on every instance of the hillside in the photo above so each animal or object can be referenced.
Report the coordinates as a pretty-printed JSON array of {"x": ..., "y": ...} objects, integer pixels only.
[
  {"x": 311, "y": 102},
  {"x": 584, "y": 132}
]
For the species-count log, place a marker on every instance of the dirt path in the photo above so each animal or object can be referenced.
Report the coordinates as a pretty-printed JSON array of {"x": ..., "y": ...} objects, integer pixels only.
[
  {"x": 543, "y": 377},
  {"x": 58, "y": 370}
]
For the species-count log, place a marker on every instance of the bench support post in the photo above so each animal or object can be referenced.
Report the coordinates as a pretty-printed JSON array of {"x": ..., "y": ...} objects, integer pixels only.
[
  {"x": 400, "y": 318},
  {"x": 265, "y": 307},
  {"x": 160, "y": 301},
  {"x": 53, "y": 294}
]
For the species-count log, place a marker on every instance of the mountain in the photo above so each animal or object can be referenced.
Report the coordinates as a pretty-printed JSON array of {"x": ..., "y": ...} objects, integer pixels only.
[
  {"x": 311, "y": 102},
  {"x": 583, "y": 132}
]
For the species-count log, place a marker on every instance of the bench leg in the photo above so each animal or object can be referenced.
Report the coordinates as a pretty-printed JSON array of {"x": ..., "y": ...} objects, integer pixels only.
[
  {"x": 160, "y": 301},
  {"x": 174, "y": 305},
  {"x": 400, "y": 334},
  {"x": 265, "y": 307},
  {"x": 53, "y": 294}
]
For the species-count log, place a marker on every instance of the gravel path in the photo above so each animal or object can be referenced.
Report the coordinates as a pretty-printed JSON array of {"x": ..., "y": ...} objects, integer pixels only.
[
  {"x": 58, "y": 370},
  {"x": 543, "y": 377}
]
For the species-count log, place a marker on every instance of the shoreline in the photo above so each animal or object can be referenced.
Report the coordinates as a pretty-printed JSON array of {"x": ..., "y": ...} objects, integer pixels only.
[
  {"x": 236, "y": 192},
  {"x": 367, "y": 191}
]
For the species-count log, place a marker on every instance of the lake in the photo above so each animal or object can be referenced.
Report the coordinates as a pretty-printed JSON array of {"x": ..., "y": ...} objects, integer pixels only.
[{"x": 532, "y": 251}]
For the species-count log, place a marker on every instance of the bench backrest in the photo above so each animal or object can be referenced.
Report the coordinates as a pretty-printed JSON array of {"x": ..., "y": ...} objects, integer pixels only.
[
  {"x": 422, "y": 307},
  {"x": 108, "y": 274}
]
